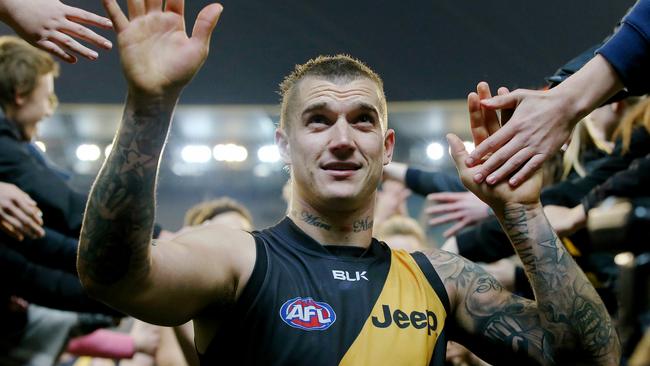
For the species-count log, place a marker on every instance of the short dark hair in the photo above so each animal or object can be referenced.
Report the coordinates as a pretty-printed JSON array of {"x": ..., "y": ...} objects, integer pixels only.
[
  {"x": 21, "y": 65},
  {"x": 337, "y": 67},
  {"x": 205, "y": 211}
]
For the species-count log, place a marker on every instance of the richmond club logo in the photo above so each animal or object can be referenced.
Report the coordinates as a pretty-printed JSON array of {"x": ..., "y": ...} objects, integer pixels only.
[{"x": 307, "y": 314}]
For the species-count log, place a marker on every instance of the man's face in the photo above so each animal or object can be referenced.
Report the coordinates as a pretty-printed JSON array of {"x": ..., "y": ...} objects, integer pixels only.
[
  {"x": 335, "y": 143},
  {"x": 34, "y": 107}
]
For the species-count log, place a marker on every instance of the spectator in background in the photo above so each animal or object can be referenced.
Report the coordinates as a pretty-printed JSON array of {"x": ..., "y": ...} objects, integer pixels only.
[
  {"x": 543, "y": 120},
  {"x": 53, "y": 26},
  {"x": 401, "y": 232},
  {"x": 224, "y": 211}
]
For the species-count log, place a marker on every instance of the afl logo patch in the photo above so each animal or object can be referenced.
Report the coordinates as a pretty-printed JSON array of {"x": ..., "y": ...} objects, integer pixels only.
[{"x": 306, "y": 314}]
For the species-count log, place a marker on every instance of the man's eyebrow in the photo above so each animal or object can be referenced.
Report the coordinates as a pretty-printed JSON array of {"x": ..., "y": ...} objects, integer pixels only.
[
  {"x": 319, "y": 106},
  {"x": 368, "y": 107},
  {"x": 314, "y": 107}
]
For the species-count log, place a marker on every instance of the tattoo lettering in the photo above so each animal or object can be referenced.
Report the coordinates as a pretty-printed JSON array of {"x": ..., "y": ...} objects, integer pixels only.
[
  {"x": 362, "y": 225},
  {"x": 314, "y": 221}
]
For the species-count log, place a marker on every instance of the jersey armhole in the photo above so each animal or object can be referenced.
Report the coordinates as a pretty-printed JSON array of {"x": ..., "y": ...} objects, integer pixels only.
[
  {"x": 434, "y": 280},
  {"x": 256, "y": 281}
]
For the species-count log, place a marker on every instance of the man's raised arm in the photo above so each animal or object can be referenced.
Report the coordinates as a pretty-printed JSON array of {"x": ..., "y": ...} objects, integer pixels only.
[
  {"x": 567, "y": 323},
  {"x": 117, "y": 262}
]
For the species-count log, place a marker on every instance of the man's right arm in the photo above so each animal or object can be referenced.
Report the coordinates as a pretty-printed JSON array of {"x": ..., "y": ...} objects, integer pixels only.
[{"x": 163, "y": 282}]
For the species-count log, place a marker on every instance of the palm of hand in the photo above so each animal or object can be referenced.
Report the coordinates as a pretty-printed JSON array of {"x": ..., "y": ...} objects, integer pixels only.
[
  {"x": 499, "y": 194},
  {"x": 157, "y": 55}
]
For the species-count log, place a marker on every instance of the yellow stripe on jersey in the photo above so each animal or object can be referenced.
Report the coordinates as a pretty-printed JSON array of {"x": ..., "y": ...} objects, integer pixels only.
[{"x": 405, "y": 322}]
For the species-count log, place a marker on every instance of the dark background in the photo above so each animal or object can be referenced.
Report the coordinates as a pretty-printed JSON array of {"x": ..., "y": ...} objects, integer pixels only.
[{"x": 424, "y": 50}]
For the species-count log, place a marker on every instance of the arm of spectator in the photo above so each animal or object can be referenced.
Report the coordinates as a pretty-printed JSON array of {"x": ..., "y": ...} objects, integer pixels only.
[
  {"x": 185, "y": 336},
  {"x": 53, "y": 250},
  {"x": 391, "y": 200},
  {"x": 422, "y": 182},
  {"x": 564, "y": 220},
  {"x": 541, "y": 122},
  {"x": 628, "y": 50},
  {"x": 45, "y": 286},
  {"x": 55, "y": 27},
  {"x": 463, "y": 208},
  {"x": 19, "y": 215},
  {"x": 103, "y": 343},
  {"x": 631, "y": 182},
  {"x": 61, "y": 205}
]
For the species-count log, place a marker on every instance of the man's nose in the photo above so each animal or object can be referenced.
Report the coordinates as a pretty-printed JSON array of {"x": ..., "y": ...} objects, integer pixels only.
[{"x": 341, "y": 142}]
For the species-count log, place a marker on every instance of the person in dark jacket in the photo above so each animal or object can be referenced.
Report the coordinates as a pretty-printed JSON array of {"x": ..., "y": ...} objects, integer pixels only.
[{"x": 542, "y": 120}]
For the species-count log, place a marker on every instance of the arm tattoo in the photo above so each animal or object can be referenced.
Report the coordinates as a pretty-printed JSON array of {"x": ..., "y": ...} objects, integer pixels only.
[
  {"x": 568, "y": 321},
  {"x": 118, "y": 222}
]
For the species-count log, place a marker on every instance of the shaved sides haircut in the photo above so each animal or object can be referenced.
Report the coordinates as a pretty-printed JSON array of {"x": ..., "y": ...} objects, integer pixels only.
[{"x": 338, "y": 68}]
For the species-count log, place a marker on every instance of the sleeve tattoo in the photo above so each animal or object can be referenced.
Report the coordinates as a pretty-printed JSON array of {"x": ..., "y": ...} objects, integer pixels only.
[
  {"x": 119, "y": 216},
  {"x": 566, "y": 324}
]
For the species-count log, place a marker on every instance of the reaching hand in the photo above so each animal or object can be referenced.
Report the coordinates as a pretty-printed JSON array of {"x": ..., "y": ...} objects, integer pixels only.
[
  {"x": 565, "y": 221},
  {"x": 391, "y": 200},
  {"x": 146, "y": 337},
  {"x": 499, "y": 194},
  {"x": 19, "y": 216},
  {"x": 462, "y": 207},
  {"x": 395, "y": 171},
  {"x": 541, "y": 122},
  {"x": 157, "y": 55},
  {"x": 53, "y": 27}
]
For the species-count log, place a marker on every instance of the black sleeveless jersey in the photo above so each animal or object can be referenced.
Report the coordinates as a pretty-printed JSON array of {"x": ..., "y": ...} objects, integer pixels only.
[{"x": 306, "y": 305}]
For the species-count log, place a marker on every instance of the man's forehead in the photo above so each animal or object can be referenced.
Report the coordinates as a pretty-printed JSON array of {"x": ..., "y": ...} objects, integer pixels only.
[{"x": 314, "y": 90}]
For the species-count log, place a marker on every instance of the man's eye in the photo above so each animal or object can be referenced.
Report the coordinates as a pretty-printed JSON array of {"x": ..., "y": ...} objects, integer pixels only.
[
  {"x": 366, "y": 118},
  {"x": 317, "y": 119}
]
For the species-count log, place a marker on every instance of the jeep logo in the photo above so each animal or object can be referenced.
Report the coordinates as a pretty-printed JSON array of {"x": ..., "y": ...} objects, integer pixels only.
[{"x": 418, "y": 320}]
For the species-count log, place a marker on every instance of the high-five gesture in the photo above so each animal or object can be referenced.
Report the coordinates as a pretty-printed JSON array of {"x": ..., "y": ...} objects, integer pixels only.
[
  {"x": 483, "y": 124},
  {"x": 157, "y": 55}
]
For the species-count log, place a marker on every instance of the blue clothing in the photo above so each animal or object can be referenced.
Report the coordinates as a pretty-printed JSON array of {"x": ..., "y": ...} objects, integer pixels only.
[{"x": 628, "y": 50}]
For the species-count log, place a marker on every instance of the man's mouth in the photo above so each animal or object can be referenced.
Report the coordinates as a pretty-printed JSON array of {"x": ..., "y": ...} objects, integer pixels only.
[{"x": 340, "y": 169}]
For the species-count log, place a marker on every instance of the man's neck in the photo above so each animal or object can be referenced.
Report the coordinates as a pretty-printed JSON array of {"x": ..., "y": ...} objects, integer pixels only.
[{"x": 352, "y": 228}]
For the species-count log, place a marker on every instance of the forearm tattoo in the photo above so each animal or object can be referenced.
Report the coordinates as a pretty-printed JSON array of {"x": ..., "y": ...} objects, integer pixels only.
[
  {"x": 119, "y": 217},
  {"x": 567, "y": 319}
]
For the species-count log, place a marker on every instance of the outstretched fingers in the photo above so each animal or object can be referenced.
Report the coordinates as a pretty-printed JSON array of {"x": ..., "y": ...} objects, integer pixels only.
[
  {"x": 120, "y": 21},
  {"x": 206, "y": 21},
  {"x": 527, "y": 170},
  {"x": 82, "y": 16},
  {"x": 490, "y": 115},
  {"x": 57, "y": 50},
  {"x": 476, "y": 119},
  {"x": 507, "y": 112},
  {"x": 457, "y": 151},
  {"x": 175, "y": 6},
  {"x": 153, "y": 5},
  {"x": 136, "y": 8}
]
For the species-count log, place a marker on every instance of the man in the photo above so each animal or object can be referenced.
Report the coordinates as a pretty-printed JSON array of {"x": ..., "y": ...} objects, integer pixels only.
[{"x": 316, "y": 288}]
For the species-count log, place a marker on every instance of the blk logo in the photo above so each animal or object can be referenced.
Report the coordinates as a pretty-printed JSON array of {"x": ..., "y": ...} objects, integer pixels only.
[
  {"x": 345, "y": 276},
  {"x": 416, "y": 319}
]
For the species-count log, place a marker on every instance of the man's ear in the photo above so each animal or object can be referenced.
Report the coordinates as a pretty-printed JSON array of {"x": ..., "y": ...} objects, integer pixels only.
[
  {"x": 282, "y": 142},
  {"x": 389, "y": 145},
  {"x": 19, "y": 99}
]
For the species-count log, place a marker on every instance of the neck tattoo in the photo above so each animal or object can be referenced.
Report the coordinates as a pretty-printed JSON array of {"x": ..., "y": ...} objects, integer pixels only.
[
  {"x": 362, "y": 225},
  {"x": 314, "y": 221}
]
